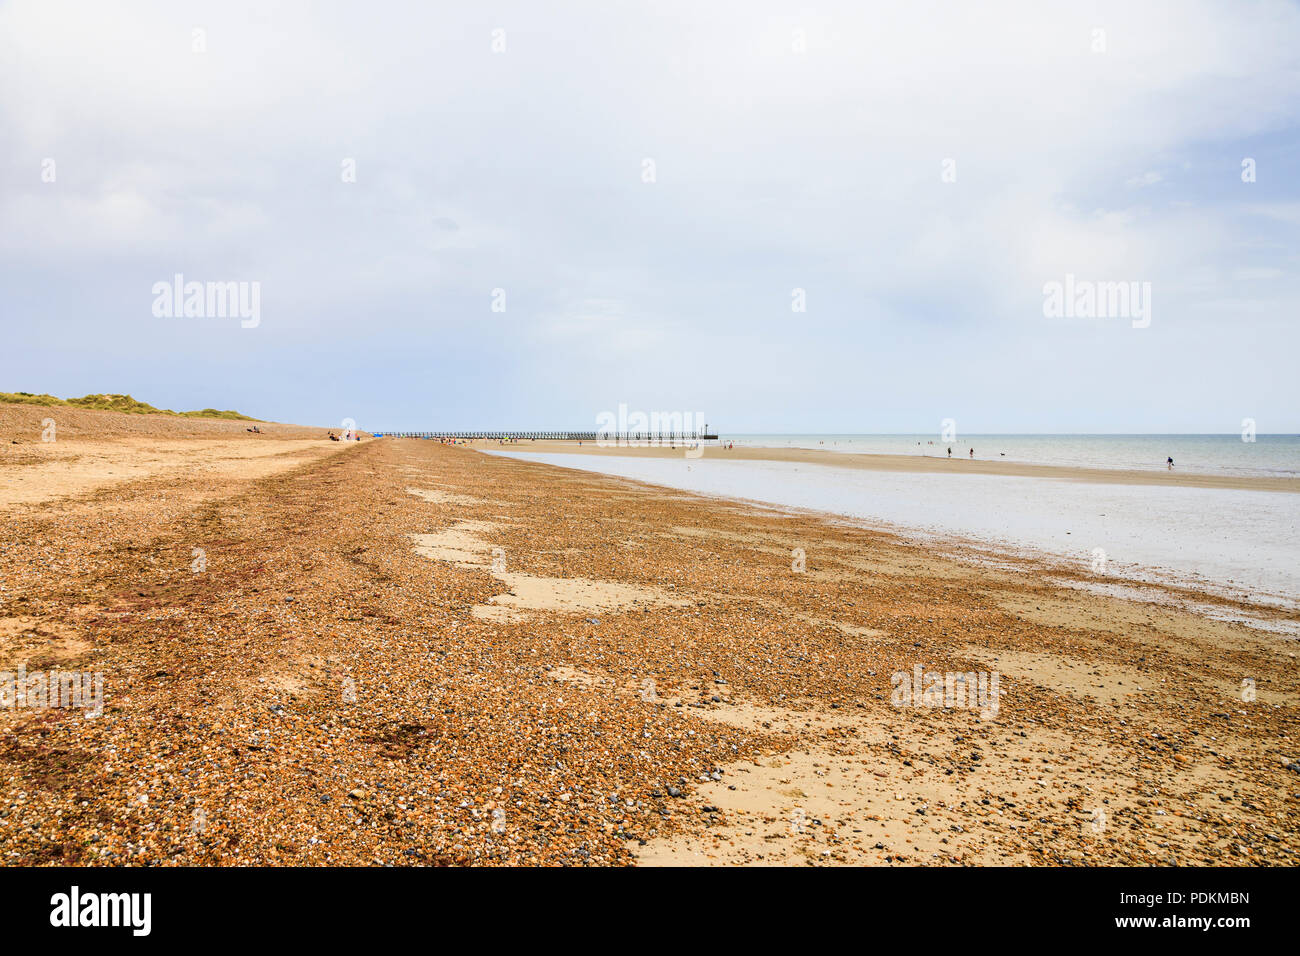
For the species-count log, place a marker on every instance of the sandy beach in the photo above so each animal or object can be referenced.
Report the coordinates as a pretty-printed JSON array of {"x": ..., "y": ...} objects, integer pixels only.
[
  {"x": 927, "y": 464},
  {"x": 93, "y": 451},
  {"x": 401, "y": 652}
]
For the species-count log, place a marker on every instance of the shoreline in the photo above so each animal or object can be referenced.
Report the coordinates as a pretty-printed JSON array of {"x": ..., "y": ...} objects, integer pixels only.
[
  {"x": 921, "y": 464},
  {"x": 1146, "y": 537},
  {"x": 409, "y": 654},
  {"x": 1195, "y": 593}
]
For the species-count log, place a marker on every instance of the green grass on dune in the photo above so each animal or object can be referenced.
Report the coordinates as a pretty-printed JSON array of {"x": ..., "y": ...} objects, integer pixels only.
[{"x": 117, "y": 403}]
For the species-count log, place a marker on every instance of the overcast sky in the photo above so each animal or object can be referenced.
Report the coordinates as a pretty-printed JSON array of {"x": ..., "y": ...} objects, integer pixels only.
[{"x": 793, "y": 147}]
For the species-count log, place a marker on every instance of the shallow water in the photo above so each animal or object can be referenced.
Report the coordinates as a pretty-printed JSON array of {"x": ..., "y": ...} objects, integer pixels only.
[
  {"x": 1275, "y": 455},
  {"x": 1238, "y": 542}
]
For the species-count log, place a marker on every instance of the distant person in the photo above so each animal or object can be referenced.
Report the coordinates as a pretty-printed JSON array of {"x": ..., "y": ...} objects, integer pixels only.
[
  {"x": 949, "y": 452},
  {"x": 972, "y": 453},
  {"x": 1171, "y": 464}
]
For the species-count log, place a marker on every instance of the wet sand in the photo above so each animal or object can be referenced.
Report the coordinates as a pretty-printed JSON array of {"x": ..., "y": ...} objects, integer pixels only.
[{"x": 923, "y": 464}]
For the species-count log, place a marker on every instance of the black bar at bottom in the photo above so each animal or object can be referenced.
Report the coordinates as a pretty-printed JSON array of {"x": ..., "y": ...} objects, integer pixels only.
[{"x": 1020, "y": 907}]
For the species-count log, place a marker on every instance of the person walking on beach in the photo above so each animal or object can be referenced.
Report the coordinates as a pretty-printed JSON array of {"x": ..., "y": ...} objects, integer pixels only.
[
  {"x": 972, "y": 453},
  {"x": 1171, "y": 464},
  {"x": 950, "y": 452}
]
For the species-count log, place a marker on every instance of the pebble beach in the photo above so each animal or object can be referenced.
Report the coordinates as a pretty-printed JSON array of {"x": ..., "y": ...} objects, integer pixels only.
[{"x": 396, "y": 652}]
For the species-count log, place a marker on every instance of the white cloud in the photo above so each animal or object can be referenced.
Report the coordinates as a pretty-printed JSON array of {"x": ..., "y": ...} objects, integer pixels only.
[{"x": 776, "y": 168}]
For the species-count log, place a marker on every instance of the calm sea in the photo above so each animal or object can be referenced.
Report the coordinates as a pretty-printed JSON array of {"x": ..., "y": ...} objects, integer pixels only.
[{"x": 1276, "y": 455}]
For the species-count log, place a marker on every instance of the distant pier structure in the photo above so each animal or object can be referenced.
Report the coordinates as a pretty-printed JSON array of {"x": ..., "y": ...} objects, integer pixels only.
[{"x": 623, "y": 438}]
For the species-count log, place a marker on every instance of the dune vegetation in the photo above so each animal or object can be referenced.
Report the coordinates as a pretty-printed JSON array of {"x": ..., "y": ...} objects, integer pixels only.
[{"x": 117, "y": 403}]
